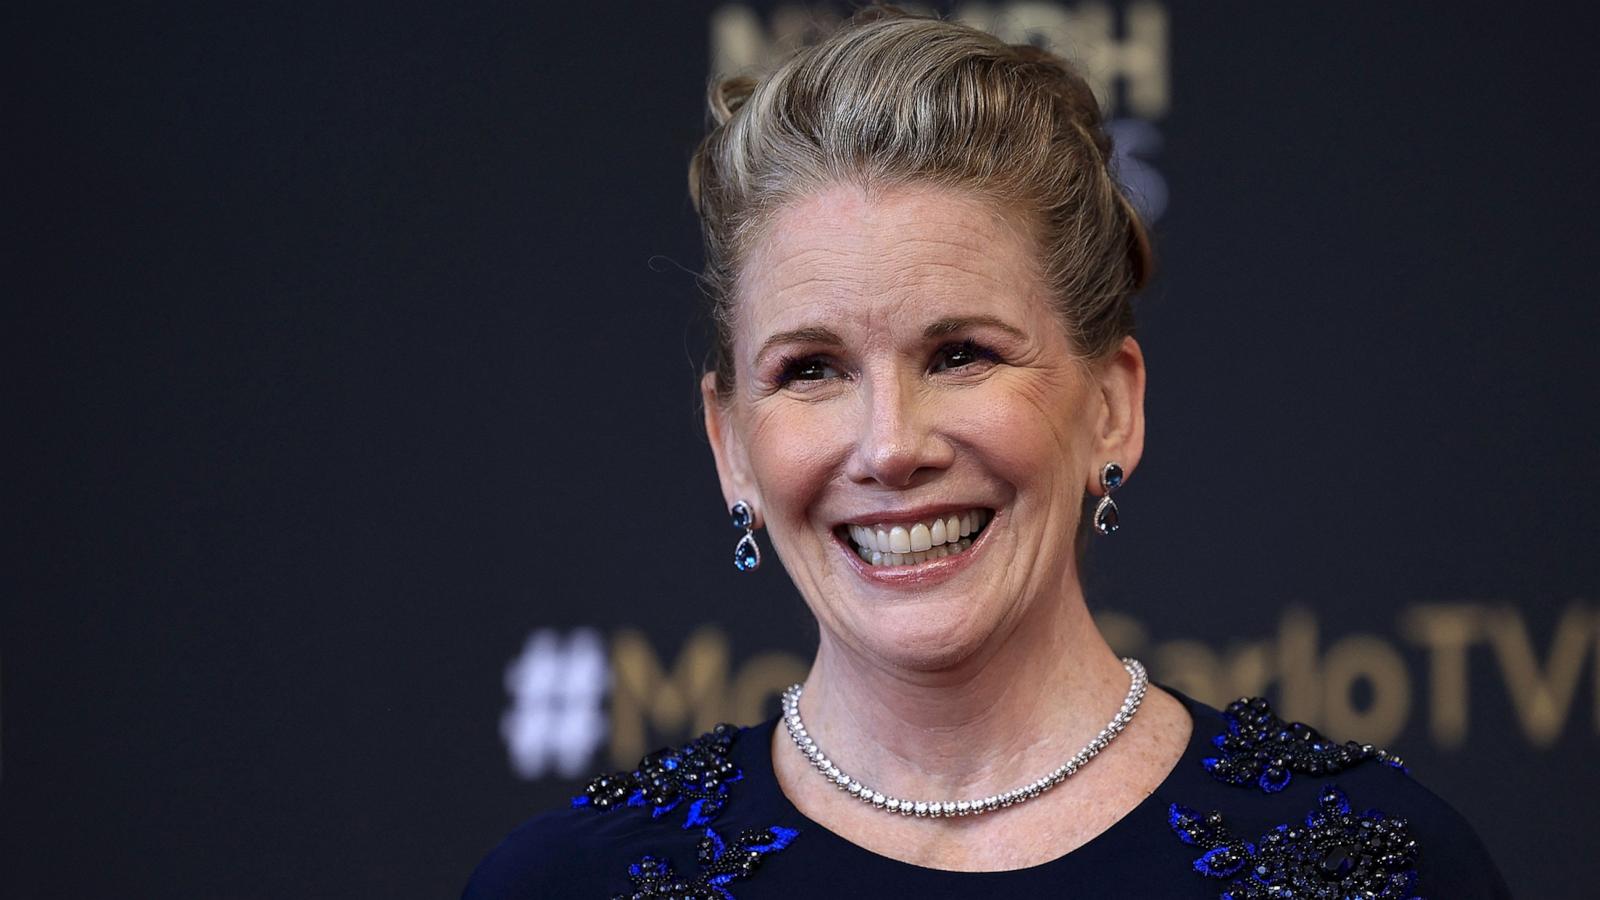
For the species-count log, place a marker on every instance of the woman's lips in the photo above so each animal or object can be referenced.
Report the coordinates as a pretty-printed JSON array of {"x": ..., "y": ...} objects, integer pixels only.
[
  {"x": 913, "y": 541},
  {"x": 908, "y": 571}
]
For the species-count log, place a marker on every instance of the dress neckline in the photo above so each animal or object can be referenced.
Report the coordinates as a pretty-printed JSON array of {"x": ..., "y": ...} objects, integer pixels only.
[{"x": 753, "y": 752}]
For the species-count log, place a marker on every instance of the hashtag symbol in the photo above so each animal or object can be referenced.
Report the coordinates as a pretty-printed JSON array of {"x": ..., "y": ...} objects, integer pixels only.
[{"x": 557, "y": 686}]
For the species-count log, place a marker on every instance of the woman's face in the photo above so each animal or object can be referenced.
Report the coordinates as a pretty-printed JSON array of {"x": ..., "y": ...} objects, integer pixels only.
[{"x": 911, "y": 422}]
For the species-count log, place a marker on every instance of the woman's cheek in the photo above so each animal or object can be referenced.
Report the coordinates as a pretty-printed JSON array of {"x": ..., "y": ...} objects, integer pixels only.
[
  {"x": 1005, "y": 428},
  {"x": 791, "y": 448}
]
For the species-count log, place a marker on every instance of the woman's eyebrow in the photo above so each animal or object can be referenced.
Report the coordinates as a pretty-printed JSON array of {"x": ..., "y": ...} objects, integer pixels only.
[
  {"x": 810, "y": 335},
  {"x": 953, "y": 324}
]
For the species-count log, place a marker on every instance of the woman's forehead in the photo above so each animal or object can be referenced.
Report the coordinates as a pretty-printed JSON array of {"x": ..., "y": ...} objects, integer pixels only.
[
  {"x": 904, "y": 248},
  {"x": 842, "y": 220}
]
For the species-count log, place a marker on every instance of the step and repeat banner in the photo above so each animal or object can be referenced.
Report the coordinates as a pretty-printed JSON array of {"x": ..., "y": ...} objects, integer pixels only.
[{"x": 363, "y": 511}]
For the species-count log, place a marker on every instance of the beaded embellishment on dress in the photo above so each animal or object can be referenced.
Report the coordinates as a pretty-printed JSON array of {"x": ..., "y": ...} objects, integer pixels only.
[
  {"x": 1334, "y": 855},
  {"x": 720, "y": 863},
  {"x": 1260, "y": 748},
  {"x": 699, "y": 773}
]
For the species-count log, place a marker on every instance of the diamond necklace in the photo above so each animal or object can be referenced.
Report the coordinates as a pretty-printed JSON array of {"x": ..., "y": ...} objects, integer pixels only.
[{"x": 831, "y": 771}]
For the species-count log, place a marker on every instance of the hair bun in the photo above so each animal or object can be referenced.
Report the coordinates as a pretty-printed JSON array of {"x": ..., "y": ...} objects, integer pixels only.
[
  {"x": 1071, "y": 91},
  {"x": 727, "y": 95},
  {"x": 893, "y": 98}
]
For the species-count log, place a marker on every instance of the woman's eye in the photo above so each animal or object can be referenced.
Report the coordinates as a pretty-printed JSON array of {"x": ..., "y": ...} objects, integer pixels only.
[
  {"x": 809, "y": 369},
  {"x": 955, "y": 356}
]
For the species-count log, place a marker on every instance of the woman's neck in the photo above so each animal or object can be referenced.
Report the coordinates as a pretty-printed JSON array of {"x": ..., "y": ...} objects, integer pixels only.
[{"x": 1003, "y": 717}]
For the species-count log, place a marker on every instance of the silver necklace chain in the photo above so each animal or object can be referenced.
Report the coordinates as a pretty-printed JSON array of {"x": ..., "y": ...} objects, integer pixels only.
[{"x": 878, "y": 800}]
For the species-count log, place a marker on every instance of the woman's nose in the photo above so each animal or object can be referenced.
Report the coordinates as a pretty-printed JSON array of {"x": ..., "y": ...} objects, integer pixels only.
[{"x": 897, "y": 435}]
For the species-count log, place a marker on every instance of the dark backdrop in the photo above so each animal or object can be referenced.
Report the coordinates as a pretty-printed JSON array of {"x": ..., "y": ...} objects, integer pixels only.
[{"x": 348, "y": 349}]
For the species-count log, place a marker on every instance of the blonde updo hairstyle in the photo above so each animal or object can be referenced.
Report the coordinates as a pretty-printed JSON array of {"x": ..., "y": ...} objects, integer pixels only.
[{"x": 892, "y": 99}]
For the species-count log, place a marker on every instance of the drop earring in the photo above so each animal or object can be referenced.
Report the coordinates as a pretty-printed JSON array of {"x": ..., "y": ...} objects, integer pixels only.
[
  {"x": 1106, "y": 518},
  {"x": 746, "y": 553}
]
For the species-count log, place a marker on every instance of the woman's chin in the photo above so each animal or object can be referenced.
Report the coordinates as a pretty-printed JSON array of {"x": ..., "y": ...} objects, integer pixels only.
[
  {"x": 923, "y": 637},
  {"x": 930, "y": 616}
]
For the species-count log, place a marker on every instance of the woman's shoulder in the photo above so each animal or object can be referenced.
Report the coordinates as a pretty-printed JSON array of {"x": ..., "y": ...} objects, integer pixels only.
[
  {"x": 541, "y": 857},
  {"x": 1265, "y": 794},
  {"x": 610, "y": 829}
]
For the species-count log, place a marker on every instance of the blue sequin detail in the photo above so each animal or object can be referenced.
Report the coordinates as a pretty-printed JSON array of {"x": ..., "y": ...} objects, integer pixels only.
[
  {"x": 1220, "y": 862},
  {"x": 697, "y": 815},
  {"x": 1335, "y": 854},
  {"x": 1264, "y": 751},
  {"x": 699, "y": 772},
  {"x": 720, "y": 863}
]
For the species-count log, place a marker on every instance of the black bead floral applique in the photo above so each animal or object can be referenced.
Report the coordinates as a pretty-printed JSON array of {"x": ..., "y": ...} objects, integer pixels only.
[
  {"x": 698, "y": 773},
  {"x": 720, "y": 864},
  {"x": 1260, "y": 748},
  {"x": 1334, "y": 855}
]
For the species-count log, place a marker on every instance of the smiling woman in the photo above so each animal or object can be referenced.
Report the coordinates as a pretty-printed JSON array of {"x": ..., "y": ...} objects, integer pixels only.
[
  {"x": 922, "y": 271},
  {"x": 898, "y": 362}
]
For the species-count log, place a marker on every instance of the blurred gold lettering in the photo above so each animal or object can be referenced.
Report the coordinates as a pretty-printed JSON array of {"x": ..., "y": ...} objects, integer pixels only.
[
  {"x": 690, "y": 700},
  {"x": 1301, "y": 683},
  {"x": 1191, "y": 667},
  {"x": 738, "y": 42},
  {"x": 1447, "y": 631},
  {"x": 1248, "y": 672},
  {"x": 1365, "y": 657},
  {"x": 1086, "y": 33},
  {"x": 1541, "y": 696},
  {"x": 1138, "y": 58},
  {"x": 761, "y": 680},
  {"x": 1125, "y": 634},
  {"x": 649, "y": 702}
]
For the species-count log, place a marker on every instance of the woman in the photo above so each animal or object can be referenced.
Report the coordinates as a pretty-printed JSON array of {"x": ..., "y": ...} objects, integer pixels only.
[{"x": 926, "y": 388}]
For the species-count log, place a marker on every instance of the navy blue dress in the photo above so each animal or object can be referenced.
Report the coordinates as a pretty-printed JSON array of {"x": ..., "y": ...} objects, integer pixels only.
[{"x": 1256, "y": 808}]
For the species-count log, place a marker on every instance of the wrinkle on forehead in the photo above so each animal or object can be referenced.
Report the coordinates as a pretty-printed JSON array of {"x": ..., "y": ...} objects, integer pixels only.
[{"x": 843, "y": 243}]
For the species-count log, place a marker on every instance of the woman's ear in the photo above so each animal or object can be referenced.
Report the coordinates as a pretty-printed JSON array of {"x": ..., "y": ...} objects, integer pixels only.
[
  {"x": 1119, "y": 435},
  {"x": 733, "y": 469}
]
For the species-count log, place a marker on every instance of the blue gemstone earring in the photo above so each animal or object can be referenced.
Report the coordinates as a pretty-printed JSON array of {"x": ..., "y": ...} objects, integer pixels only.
[
  {"x": 1106, "y": 519},
  {"x": 746, "y": 553}
]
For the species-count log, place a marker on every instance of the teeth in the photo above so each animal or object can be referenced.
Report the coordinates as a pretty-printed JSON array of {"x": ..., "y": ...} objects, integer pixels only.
[
  {"x": 866, "y": 537},
  {"x": 920, "y": 538},
  {"x": 902, "y": 545},
  {"x": 899, "y": 540}
]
